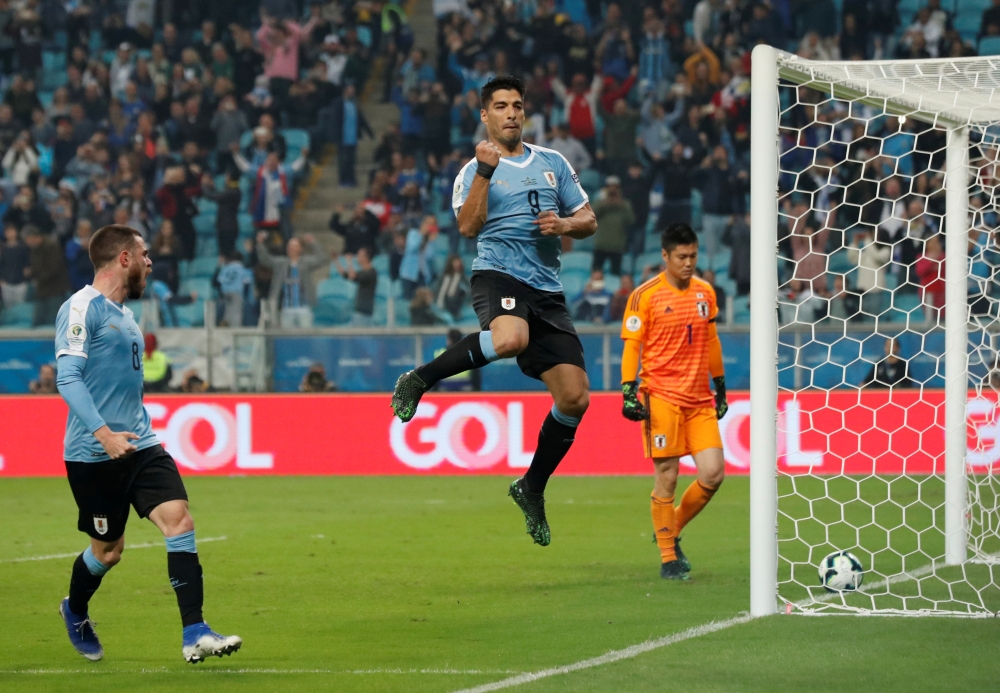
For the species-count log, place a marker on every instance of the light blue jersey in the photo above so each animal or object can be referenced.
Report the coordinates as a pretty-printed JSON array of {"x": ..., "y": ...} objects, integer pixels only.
[
  {"x": 523, "y": 187},
  {"x": 99, "y": 362}
]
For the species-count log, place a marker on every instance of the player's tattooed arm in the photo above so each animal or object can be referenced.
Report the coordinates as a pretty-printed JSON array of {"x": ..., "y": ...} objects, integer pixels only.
[
  {"x": 582, "y": 224},
  {"x": 472, "y": 215}
]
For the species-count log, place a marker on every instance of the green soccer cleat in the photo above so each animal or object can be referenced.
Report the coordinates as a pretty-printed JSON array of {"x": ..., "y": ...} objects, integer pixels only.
[
  {"x": 681, "y": 558},
  {"x": 533, "y": 507},
  {"x": 405, "y": 398},
  {"x": 672, "y": 570}
]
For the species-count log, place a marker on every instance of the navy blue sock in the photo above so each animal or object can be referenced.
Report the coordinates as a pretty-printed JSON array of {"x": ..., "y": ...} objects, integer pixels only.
[
  {"x": 554, "y": 441},
  {"x": 87, "y": 575},
  {"x": 185, "y": 577},
  {"x": 472, "y": 351}
]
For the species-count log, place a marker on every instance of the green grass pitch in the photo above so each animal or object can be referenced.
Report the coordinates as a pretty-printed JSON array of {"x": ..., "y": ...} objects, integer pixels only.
[{"x": 431, "y": 584}]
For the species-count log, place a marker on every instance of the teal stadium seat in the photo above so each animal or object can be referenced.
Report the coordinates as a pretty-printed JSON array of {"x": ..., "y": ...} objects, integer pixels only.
[
  {"x": 577, "y": 260},
  {"x": 17, "y": 317}
]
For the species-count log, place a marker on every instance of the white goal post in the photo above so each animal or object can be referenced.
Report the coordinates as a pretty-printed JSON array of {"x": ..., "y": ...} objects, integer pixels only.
[{"x": 908, "y": 524}]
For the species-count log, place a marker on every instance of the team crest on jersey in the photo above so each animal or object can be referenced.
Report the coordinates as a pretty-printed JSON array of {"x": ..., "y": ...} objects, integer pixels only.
[
  {"x": 101, "y": 524},
  {"x": 633, "y": 323},
  {"x": 659, "y": 442},
  {"x": 703, "y": 309},
  {"x": 507, "y": 302},
  {"x": 550, "y": 177}
]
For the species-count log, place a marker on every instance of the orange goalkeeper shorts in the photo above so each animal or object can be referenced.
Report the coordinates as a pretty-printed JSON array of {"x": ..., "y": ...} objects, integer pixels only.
[{"x": 675, "y": 431}]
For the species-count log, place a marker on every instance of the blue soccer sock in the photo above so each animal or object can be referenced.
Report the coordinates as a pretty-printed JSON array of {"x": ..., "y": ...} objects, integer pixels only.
[
  {"x": 86, "y": 579},
  {"x": 472, "y": 351},
  {"x": 186, "y": 577}
]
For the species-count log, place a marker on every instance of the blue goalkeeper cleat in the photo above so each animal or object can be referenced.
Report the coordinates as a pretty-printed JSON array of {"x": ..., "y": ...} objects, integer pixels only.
[
  {"x": 200, "y": 642},
  {"x": 81, "y": 633}
]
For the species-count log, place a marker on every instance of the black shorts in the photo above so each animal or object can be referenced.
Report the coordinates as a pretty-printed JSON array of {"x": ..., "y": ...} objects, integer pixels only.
[
  {"x": 104, "y": 490},
  {"x": 552, "y": 338}
]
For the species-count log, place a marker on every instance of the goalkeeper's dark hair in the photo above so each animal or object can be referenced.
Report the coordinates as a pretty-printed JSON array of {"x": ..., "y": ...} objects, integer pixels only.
[
  {"x": 677, "y": 234},
  {"x": 501, "y": 82},
  {"x": 108, "y": 242}
]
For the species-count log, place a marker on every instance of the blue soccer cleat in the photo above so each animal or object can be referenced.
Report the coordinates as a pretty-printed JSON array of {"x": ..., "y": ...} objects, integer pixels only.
[
  {"x": 200, "y": 642},
  {"x": 81, "y": 633}
]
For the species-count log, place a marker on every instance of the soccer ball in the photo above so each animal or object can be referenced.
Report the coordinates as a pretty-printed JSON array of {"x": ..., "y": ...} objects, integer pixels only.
[{"x": 841, "y": 571}]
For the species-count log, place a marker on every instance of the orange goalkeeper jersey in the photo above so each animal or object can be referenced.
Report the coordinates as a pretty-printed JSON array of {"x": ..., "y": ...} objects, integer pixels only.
[{"x": 673, "y": 328}]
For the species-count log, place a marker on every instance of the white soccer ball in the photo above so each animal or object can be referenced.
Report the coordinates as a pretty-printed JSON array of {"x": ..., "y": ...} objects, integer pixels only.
[{"x": 841, "y": 571}]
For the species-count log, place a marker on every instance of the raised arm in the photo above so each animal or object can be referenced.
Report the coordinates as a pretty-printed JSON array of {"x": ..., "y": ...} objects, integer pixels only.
[{"x": 472, "y": 214}]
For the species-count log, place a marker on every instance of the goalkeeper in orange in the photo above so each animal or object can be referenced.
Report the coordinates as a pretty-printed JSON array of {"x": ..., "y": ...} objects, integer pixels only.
[{"x": 669, "y": 324}]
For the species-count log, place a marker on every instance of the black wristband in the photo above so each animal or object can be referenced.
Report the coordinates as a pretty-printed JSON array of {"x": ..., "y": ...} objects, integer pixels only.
[{"x": 485, "y": 170}]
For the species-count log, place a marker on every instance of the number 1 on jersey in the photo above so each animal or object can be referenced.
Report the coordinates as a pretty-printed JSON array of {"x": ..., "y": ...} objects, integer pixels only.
[{"x": 689, "y": 333}]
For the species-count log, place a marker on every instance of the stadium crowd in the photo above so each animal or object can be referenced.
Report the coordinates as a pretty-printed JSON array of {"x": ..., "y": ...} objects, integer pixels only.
[{"x": 211, "y": 120}]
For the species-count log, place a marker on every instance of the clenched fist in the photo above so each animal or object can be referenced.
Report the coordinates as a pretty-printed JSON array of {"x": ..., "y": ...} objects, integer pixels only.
[{"x": 488, "y": 153}]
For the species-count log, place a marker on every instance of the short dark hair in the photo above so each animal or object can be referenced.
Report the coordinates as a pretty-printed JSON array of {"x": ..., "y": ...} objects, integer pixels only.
[
  {"x": 677, "y": 234},
  {"x": 109, "y": 241},
  {"x": 501, "y": 82}
]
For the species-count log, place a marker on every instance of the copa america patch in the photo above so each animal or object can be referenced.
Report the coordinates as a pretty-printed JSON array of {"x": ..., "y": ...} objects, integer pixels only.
[
  {"x": 101, "y": 524},
  {"x": 507, "y": 302},
  {"x": 76, "y": 335},
  {"x": 550, "y": 176},
  {"x": 659, "y": 442},
  {"x": 633, "y": 324},
  {"x": 457, "y": 195}
]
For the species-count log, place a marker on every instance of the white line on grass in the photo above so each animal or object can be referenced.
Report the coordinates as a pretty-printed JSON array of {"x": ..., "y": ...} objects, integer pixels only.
[
  {"x": 201, "y": 672},
  {"x": 613, "y": 656},
  {"x": 51, "y": 556}
]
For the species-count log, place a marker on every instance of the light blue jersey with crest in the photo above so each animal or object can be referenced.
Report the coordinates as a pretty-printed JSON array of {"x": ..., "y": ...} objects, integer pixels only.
[
  {"x": 99, "y": 363},
  {"x": 521, "y": 188}
]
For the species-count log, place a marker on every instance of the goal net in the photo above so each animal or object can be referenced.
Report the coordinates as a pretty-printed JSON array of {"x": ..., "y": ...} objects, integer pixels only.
[{"x": 875, "y": 329}]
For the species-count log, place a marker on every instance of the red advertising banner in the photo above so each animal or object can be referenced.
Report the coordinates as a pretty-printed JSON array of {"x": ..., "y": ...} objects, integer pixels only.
[{"x": 835, "y": 432}]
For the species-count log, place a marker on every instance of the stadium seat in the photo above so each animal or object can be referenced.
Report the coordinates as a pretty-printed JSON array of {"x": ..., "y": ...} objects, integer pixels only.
[
  {"x": 336, "y": 287},
  {"x": 380, "y": 263},
  {"x": 191, "y": 315},
  {"x": 137, "y": 308},
  {"x": 18, "y": 317},
  {"x": 741, "y": 310},
  {"x": 612, "y": 283},
  {"x": 246, "y": 223},
  {"x": 989, "y": 45},
  {"x": 653, "y": 258},
  {"x": 721, "y": 261},
  {"x": 967, "y": 24},
  {"x": 332, "y": 311},
  {"x": 201, "y": 268},
  {"x": 577, "y": 260},
  {"x": 199, "y": 285},
  {"x": 573, "y": 283},
  {"x": 206, "y": 206},
  {"x": 296, "y": 139},
  {"x": 207, "y": 246},
  {"x": 204, "y": 224}
]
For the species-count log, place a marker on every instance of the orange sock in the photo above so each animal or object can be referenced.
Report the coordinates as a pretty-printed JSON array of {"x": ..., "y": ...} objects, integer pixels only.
[
  {"x": 663, "y": 525},
  {"x": 695, "y": 498}
]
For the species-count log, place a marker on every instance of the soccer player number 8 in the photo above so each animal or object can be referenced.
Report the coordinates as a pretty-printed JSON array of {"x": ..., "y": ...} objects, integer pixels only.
[{"x": 136, "y": 363}]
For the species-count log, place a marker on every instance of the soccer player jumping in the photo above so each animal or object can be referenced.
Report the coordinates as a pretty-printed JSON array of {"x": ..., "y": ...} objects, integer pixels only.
[
  {"x": 112, "y": 457},
  {"x": 518, "y": 199},
  {"x": 671, "y": 320}
]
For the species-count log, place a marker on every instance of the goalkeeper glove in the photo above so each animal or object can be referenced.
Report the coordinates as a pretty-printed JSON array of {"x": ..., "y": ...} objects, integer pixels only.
[
  {"x": 633, "y": 409},
  {"x": 721, "y": 405}
]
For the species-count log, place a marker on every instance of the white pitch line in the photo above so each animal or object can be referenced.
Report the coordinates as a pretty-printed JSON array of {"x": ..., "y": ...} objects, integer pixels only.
[
  {"x": 51, "y": 556},
  {"x": 202, "y": 672},
  {"x": 613, "y": 656}
]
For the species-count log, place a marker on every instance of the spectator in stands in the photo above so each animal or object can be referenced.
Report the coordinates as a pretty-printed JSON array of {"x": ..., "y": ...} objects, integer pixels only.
[
  {"x": 15, "y": 264},
  {"x": 293, "y": 288},
  {"x": 737, "y": 237},
  {"x": 227, "y": 202},
  {"x": 360, "y": 231},
  {"x": 228, "y": 124},
  {"x": 233, "y": 281},
  {"x": 619, "y": 138},
  {"x": 45, "y": 384},
  {"x": 720, "y": 294},
  {"x": 452, "y": 288},
  {"x": 272, "y": 197},
  {"x": 891, "y": 371},
  {"x": 720, "y": 189},
  {"x": 594, "y": 303},
  {"x": 870, "y": 258},
  {"x": 20, "y": 163},
  {"x": 422, "y": 309},
  {"x": 580, "y": 107},
  {"x": 366, "y": 277},
  {"x": 570, "y": 147},
  {"x": 48, "y": 275},
  {"x": 615, "y": 218},
  {"x": 930, "y": 271},
  {"x": 81, "y": 269},
  {"x": 27, "y": 211},
  {"x": 176, "y": 204},
  {"x": 279, "y": 42},
  {"x": 156, "y": 369},
  {"x": 415, "y": 269},
  {"x": 165, "y": 252},
  {"x": 619, "y": 301},
  {"x": 636, "y": 186},
  {"x": 990, "y": 24}
]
